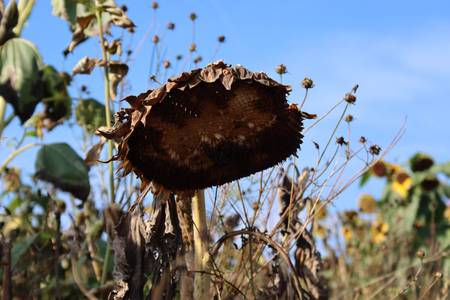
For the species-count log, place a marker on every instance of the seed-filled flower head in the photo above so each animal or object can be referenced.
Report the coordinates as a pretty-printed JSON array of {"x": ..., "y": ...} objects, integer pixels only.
[{"x": 207, "y": 127}]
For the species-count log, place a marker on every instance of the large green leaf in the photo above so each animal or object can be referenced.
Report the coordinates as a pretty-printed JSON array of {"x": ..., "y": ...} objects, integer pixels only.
[
  {"x": 60, "y": 165},
  {"x": 90, "y": 114},
  {"x": 20, "y": 65}
]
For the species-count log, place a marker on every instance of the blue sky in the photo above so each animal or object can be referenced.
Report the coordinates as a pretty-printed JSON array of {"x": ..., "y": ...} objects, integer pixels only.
[{"x": 397, "y": 51}]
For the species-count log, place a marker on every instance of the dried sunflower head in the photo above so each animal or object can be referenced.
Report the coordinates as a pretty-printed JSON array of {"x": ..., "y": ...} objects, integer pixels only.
[{"x": 207, "y": 127}]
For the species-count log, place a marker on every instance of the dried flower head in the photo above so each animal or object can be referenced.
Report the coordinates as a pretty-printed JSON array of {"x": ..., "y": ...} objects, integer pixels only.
[
  {"x": 155, "y": 5},
  {"x": 281, "y": 69},
  {"x": 207, "y": 127},
  {"x": 350, "y": 98},
  {"x": 349, "y": 118},
  {"x": 367, "y": 203},
  {"x": 193, "y": 47},
  {"x": 375, "y": 149},
  {"x": 193, "y": 16},
  {"x": 307, "y": 83},
  {"x": 221, "y": 38},
  {"x": 166, "y": 64},
  {"x": 179, "y": 57},
  {"x": 198, "y": 59},
  {"x": 171, "y": 26},
  {"x": 155, "y": 39},
  {"x": 341, "y": 141},
  {"x": 362, "y": 140}
]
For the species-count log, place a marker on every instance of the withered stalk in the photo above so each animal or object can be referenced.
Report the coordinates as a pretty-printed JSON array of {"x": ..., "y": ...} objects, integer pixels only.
[
  {"x": 201, "y": 256},
  {"x": 98, "y": 14},
  {"x": 6, "y": 264}
]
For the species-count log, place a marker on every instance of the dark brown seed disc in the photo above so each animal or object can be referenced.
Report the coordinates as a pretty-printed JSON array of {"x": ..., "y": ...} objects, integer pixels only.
[{"x": 207, "y": 127}]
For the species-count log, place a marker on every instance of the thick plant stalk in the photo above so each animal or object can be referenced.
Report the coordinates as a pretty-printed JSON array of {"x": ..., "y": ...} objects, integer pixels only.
[
  {"x": 2, "y": 114},
  {"x": 201, "y": 256},
  {"x": 184, "y": 209},
  {"x": 6, "y": 266}
]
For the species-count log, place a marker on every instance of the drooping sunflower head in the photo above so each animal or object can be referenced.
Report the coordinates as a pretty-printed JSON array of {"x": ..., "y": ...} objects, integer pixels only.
[{"x": 207, "y": 127}]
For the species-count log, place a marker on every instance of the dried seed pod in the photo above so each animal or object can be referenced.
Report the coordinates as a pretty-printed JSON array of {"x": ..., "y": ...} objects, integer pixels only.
[
  {"x": 193, "y": 132},
  {"x": 307, "y": 83},
  {"x": 166, "y": 64},
  {"x": 171, "y": 26},
  {"x": 350, "y": 98},
  {"x": 192, "y": 47},
  {"x": 221, "y": 38},
  {"x": 281, "y": 69}
]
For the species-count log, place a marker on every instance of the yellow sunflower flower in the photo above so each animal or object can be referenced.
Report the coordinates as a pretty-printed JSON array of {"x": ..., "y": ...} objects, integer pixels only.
[
  {"x": 402, "y": 183},
  {"x": 367, "y": 203},
  {"x": 347, "y": 233},
  {"x": 447, "y": 213},
  {"x": 394, "y": 168},
  {"x": 379, "y": 230},
  {"x": 319, "y": 230}
]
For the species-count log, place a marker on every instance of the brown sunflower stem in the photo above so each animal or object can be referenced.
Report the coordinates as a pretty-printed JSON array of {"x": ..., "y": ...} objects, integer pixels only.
[{"x": 201, "y": 256}]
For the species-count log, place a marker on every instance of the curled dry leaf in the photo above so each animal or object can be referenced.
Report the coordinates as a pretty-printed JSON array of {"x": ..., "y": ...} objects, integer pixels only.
[
  {"x": 117, "y": 71},
  {"x": 208, "y": 127},
  {"x": 84, "y": 65},
  {"x": 93, "y": 154},
  {"x": 308, "y": 263}
]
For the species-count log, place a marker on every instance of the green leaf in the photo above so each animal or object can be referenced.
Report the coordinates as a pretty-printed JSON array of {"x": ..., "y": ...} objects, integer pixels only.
[
  {"x": 20, "y": 65},
  {"x": 444, "y": 168},
  {"x": 20, "y": 248},
  {"x": 56, "y": 98},
  {"x": 90, "y": 114},
  {"x": 364, "y": 178},
  {"x": 60, "y": 165}
]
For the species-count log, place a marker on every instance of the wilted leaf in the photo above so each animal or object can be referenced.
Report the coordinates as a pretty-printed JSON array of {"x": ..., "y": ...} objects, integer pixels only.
[
  {"x": 84, "y": 66},
  {"x": 90, "y": 114},
  {"x": 308, "y": 115},
  {"x": 93, "y": 154},
  {"x": 117, "y": 71},
  {"x": 118, "y": 17},
  {"x": 60, "y": 165},
  {"x": 69, "y": 10},
  {"x": 115, "y": 47},
  {"x": 20, "y": 63},
  {"x": 80, "y": 15}
]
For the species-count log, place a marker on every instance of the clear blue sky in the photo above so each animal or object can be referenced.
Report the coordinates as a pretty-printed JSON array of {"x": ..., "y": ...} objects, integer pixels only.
[{"x": 397, "y": 51}]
